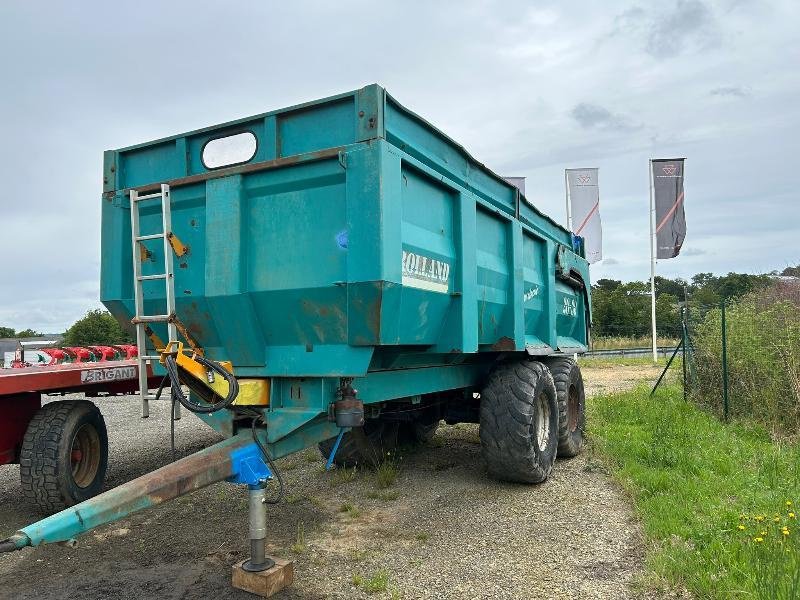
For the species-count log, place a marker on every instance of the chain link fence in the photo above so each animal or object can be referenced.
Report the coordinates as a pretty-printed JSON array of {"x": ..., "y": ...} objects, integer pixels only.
[{"x": 742, "y": 357}]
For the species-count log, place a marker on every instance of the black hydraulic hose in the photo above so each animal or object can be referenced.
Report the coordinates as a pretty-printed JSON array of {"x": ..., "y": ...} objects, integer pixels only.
[
  {"x": 173, "y": 400},
  {"x": 233, "y": 391},
  {"x": 175, "y": 383}
]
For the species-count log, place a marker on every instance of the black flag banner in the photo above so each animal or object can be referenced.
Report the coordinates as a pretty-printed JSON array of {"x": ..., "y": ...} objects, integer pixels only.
[{"x": 668, "y": 199}]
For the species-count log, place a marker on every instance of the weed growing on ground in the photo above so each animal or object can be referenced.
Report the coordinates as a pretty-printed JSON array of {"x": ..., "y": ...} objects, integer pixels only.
[
  {"x": 357, "y": 555},
  {"x": 770, "y": 543},
  {"x": 386, "y": 473},
  {"x": 351, "y": 510},
  {"x": 422, "y": 536},
  {"x": 342, "y": 475},
  {"x": 383, "y": 495},
  {"x": 297, "y": 498},
  {"x": 375, "y": 583},
  {"x": 299, "y": 546},
  {"x": 691, "y": 477},
  {"x": 314, "y": 501}
]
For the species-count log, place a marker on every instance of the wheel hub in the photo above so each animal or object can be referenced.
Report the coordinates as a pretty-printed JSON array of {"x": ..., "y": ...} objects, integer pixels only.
[
  {"x": 542, "y": 421},
  {"x": 572, "y": 409},
  {"x": 85, "y": 455}
]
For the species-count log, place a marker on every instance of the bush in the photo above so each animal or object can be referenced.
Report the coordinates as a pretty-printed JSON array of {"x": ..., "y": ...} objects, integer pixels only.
[
  {"x": 763, "y": 349},
  {"x": 98, "y": 327}
]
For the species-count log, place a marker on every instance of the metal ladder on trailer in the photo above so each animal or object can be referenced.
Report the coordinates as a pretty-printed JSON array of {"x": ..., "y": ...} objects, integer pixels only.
[{"x": 142, "y": 320}]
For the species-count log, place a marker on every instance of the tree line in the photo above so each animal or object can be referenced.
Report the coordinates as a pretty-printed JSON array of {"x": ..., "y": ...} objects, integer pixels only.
[
  {"x": 623, "y": 309},
  {"x": 96, "y": 327}
]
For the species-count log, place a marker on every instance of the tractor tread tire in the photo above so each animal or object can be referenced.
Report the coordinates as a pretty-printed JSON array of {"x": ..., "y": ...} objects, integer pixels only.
[
  {"x": 507, "y": 422},
  {"x": 567, "y": 373},
  {"x": 44, "y": 461}
]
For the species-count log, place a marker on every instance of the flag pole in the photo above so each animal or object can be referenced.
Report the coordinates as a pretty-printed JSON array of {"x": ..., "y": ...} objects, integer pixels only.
[
  {"x": 569, "y": 204},
  {"x": 653, "y": 263}
]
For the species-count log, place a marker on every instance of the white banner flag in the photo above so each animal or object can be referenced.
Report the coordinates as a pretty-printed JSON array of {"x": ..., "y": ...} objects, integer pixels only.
[{"x": 583, "y": 206}]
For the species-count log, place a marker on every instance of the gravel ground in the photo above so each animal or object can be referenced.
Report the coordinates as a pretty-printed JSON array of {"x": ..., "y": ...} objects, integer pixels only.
[{"x": 442, "y": 530}]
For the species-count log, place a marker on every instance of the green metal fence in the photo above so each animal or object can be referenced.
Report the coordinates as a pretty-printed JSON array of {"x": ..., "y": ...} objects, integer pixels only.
[{"x": 742, "y": 357}]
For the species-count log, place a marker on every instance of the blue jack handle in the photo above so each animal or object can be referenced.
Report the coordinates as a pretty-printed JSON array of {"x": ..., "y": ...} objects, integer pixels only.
[{"x": 338, "y": 441}]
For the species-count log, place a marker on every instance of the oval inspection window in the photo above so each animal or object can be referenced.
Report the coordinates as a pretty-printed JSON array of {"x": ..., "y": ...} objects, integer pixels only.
[{"x": 229, "y": 150}]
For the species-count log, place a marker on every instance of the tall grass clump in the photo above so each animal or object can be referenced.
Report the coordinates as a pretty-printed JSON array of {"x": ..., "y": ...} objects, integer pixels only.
[{"x": 763, "y": 350}]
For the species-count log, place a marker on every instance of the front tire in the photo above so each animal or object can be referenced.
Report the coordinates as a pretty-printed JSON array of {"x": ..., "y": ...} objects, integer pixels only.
[
  {"x": 519, "y": 422},
  {"x": 64, "y": 455}
]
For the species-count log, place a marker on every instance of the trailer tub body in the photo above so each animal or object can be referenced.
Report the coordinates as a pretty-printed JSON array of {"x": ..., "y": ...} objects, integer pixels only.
[{"x": 358, "y": 241}]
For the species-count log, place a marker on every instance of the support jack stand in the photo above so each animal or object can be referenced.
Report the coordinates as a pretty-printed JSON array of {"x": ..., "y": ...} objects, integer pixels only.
[{"x": 261, "y": 574}]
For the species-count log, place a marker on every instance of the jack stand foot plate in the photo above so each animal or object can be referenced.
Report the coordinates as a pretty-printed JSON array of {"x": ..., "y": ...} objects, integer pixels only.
[{"x": 264, "y": 583}]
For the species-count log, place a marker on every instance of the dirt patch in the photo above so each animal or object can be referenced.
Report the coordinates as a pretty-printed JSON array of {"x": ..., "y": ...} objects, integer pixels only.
[
  {"x": 443, "y": 530},
  {"x": 617, "y": 378}
]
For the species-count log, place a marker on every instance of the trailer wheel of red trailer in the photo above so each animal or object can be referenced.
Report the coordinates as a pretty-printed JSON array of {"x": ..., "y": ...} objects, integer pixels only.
[
  {"x": 519, "y": 422},
  {"x": 64, "y": 455},
  {"x": 571, "y": 405}
]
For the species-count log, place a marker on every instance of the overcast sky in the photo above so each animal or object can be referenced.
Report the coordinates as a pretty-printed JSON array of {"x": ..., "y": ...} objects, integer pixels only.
[{"x": 528, "y": 90}]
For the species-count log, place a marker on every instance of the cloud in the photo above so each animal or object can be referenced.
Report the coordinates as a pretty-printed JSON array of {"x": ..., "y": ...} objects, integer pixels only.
[
  {"x": 671, "y": 32},
  {"x": 598, "y": 117},
  {"x": 670, "y": 29},
  {"x": 733, "y": 91}
]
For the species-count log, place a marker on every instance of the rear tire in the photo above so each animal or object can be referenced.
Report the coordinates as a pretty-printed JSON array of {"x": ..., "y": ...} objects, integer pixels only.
[
  {"x": 519, "y": 422},
  {"x": 365, "y": 445},
  {"x": 64, "y": 455},
  {"x": 571, "y": 405}
]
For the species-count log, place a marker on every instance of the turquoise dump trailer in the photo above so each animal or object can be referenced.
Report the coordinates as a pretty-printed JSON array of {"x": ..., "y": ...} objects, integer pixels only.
[{"x": 338, "y": 273}]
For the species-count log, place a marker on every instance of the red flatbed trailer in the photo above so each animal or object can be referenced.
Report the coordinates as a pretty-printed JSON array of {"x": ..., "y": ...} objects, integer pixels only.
[{"x": 62, "y": 447}]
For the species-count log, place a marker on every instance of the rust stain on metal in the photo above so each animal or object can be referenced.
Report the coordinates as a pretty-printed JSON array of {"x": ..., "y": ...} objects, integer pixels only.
[
  {"x": 504, "y": 343},
  {"x": 246, "y": 168},
  {"x": 183, "y": 476},
  {"x": 373, "y": 314}
]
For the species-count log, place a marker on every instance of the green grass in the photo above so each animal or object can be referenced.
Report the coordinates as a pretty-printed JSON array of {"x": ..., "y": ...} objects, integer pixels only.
[
  {"x": 383, "y": 495},
  {"x": 615, "y": 342},
  {"x": 342, "y": 475},
  {"x": 699, "y": 487},
  {"x": 300, "y": 546},
  {"x": 386, "y": 474},
  {"x": 372, "y": 584},
  {"x": 351, "y": 509},
  {"x": 626, "y": 361}
]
